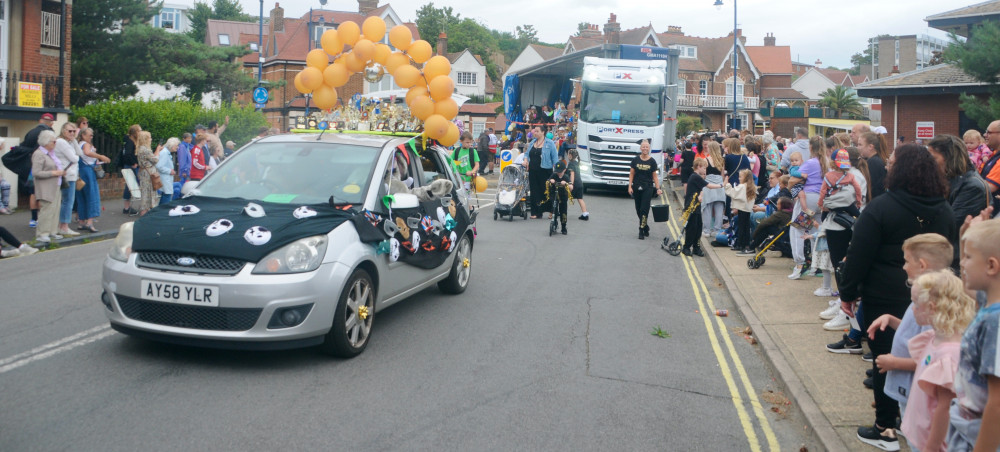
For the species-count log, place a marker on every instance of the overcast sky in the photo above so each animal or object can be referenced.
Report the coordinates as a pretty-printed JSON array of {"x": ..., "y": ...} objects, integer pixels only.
[{"x": 831, "y": 31}]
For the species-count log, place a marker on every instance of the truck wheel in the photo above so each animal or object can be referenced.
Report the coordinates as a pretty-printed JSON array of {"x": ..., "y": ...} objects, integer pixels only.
[
  {"x": 352, "y": 320},
  {"x": 461, "y": 269}
]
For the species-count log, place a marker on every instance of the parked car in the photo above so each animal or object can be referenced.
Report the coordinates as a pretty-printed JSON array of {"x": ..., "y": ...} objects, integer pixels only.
[{"x": 181, "y": 275}]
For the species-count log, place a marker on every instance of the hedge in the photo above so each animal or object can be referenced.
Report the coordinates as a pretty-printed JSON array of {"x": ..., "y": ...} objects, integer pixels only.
[{"x": 170, "y": 118}]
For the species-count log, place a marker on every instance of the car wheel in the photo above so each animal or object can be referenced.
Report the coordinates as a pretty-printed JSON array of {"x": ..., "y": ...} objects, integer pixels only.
[
  {"x": 352, "y": 320},
  {"x": 461, "y": 268}
]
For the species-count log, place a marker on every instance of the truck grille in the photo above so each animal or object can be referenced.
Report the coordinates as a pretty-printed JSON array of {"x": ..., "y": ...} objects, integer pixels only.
[
  {"x": 194, "y": 317},
  {"x": 611, "y": 165},
  {"x": 202, "y": 264}
]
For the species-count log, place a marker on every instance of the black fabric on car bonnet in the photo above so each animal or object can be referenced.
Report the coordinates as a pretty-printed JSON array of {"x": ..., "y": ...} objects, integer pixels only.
[{"x": 159, "y": 231}]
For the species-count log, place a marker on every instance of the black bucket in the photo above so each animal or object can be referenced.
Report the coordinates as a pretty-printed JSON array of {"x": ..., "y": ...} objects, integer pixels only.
[{"x": 661, "y": 213}]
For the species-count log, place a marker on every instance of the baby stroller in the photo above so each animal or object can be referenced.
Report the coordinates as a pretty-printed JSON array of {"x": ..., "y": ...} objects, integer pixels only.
[
  {"x": 512, "y": 192},
  {"x": 674, "y": 247}
]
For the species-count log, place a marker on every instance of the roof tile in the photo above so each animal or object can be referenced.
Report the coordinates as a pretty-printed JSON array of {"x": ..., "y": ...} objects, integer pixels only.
[{"x": 771, "y": 59}]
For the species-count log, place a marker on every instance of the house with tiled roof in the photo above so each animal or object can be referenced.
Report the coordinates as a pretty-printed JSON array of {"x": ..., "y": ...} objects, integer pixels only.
[
  {"x": 530, "y": 56},
  {"x": 286, "y": 42},
  {"x": 817, "y": 80},
  {"x": 467, "y": 70}
]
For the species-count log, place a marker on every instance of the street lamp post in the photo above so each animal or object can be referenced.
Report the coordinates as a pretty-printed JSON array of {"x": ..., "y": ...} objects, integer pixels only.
[
  {"x": 736, "y": 58},
  {"x": 260, "y": 44}
]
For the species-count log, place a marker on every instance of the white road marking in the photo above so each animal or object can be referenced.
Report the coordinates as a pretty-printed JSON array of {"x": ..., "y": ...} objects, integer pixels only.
[{"x": 55, "y": 347}]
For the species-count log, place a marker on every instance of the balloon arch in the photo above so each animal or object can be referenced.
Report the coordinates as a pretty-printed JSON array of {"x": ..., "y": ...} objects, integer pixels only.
[{"x": 430, "y": 87}]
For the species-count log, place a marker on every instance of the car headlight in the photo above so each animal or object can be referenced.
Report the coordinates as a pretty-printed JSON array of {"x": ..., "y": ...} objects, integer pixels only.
[
  {"x": 123, "y": 243},
  {"x": 303, "y": 255}
]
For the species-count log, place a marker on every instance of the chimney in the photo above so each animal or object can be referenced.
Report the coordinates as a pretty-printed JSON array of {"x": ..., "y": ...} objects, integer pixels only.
[
  {"x": 818, "y": 63},
  {"x": 674, "y": 30},
  {"x": 442, "y": 47},
  {"x": 277, "y": 19},
  {"x": 894, "y": 71},
  {"x": 590, "y": 32},
  {"x": 612, "y": 30},
  {"x": 769, "y": 40},
  {"x": 366, "y": 6}
]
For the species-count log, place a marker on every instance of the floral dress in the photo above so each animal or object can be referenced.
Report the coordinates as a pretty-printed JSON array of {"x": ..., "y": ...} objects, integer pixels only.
[{"x": 147, "y": 165}]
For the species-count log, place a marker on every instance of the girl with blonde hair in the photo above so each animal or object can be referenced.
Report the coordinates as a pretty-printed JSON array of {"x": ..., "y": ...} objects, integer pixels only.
[
  {"x": 147, "y": 167},
  {"x": 713, "y": 201}
]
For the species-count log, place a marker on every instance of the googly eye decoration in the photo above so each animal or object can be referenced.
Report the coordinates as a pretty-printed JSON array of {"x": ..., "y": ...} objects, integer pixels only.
[
  {"x": 257, "y": 235},
  {"x": 219, "y": 227},
  {"x": 184, "y": 210}
]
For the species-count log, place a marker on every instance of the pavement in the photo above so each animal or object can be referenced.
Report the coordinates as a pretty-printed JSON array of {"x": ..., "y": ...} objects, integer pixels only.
[
  {"x": 107, "y": 225},
  {"x": 784, "y": 314}
]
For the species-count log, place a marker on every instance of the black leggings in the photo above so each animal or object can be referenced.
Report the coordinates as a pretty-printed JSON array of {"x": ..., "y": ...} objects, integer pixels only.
[
  {"x": 643, "y": 196},
  {"x": 838, "y": 242},
  {"x": 886, "y": 408},
  {"x": 6, "y": 236},
  {"x": 742, "y": 229},
  {"x": 563, "y": 194},
  {"x": 692, "y": 231},
  {"x": 536, "y": 181}
]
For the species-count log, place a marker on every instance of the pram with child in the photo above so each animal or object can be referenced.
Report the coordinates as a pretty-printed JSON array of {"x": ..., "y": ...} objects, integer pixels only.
[{"x": 512, "y": 193}]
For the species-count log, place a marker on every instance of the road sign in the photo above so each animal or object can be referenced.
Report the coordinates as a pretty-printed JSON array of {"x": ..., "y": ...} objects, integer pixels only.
[
  {"x": 506, "y": 158},
  {"x": 260, "y": 95},
  {"x": 259, "y": 105},
  {"x": 323, "y": 125}
]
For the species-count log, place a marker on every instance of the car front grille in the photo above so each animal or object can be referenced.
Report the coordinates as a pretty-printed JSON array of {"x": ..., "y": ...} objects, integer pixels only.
[
  {"x": 210, "y": 265},
  {"x": 194, "y": 317}
]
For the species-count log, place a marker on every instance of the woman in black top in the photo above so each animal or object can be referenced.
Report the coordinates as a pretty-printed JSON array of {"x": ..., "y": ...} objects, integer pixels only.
[
  {"x": 536, "y": 174},
  {"x": 687, "y": 160},
  {"x": 876, "y": 153},
  {"x": 643, "y": 178},
  {"x": 129, "y": 160}
]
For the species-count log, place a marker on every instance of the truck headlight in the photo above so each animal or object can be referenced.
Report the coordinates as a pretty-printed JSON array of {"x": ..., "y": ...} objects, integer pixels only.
[
  {"x": 303, "y": 255},
  {"x": 122, "y": 247},
  {"x": 584, "y": 167}
]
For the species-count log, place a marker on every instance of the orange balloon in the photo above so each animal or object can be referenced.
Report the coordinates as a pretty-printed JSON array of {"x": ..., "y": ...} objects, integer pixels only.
[
  {"x": 400, "y": 37},
  {"x": 353, "y": 63},
  {"x": 349, "y": 33},
  {"x": 317, "y": 58},
  {"x": 312, "y": 78},
  {"x": 330, "y": 41},
  {"x": 447, "y": 108},
  {"x": 364, "y": 49},
  {"x": 451, "y": 137},
  {"x": 395, "y": 60},
  {"x": 299, "y": 86},
  {"x": 441, "y": 87},
  {"x": 420, "y": 51},
  {"x": 422, "y": 107},
  {"x": 336, "y": 75},
  {"x": 373, "y": 28},
  {"x": 406, "y": 76},
  {"x": 437, "y": 65},
  {"x": 416, "y": 91},
  {"x": 325, "y": 97},
  {"x": 382, "y": 53},
  {"x": 436, "y": 126}
]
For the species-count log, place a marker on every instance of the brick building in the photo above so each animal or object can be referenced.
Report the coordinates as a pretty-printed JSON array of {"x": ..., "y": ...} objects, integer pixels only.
[
  {"x": 286, "y": 42},
  {"x": 35, "y": 43}
]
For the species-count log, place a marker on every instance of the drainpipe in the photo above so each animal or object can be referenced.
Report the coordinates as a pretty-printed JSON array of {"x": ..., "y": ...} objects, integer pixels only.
[
  {"x": 895, "y": 119},
  {"x": 62, "y": 52}
]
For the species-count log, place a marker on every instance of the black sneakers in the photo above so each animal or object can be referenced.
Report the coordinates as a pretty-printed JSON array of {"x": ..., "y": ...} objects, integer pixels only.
[
  {"x": 845, "y": 346},
  {"x": 868, "y": 357},
  {"x": 868, "y": 382},
  {"x": 686, "y": 251},
  {"x": 699, "y": 252},
  {"x": 884, "y": 439},
  {"x": 585, "y": 217}
]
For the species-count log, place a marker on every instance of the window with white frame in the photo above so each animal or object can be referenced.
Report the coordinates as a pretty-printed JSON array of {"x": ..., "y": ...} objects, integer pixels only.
[
  {"x": 739, "y": 88},
  {"x": 688, "y": 51},
  {"x": 169, "y": 18},
  {"x": 223, "y": 39},
  {"x": 51, "y": 36},
  {"x": 703, "y": 87},
  {"x": 681, "y": 87},
  {"x": 387, "y": 83},
  {"x": 466, "y": 78},
  {"x": 478, "y": 128},
  {"x": 319, "y": 30}
]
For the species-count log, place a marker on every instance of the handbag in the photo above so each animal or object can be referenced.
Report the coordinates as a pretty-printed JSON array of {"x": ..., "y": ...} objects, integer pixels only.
[
  {"x": 844, "y": 219},
  {"x": 154, "y": 179},
  {"x": 98, "y": 171},
  {"x": 80, "y": 183}
]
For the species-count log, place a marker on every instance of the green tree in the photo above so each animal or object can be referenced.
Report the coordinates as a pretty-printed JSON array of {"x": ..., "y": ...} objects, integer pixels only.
[
  {"x": 580, "y": 27},
  {"x": 686, "y": 124},
  {"x": 841, "y": 100},
  {"x": 469, "y": 34},
  {"x": 432, "y": 21},
  {"x": 979, "y": 56},
  {"x": 220, "y": 10},
  {"x": 526, "y": 34}
]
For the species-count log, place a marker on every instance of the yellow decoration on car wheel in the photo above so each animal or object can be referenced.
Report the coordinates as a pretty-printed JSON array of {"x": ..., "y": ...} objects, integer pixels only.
[
  {"x": 363, "y": 312},
  {"x": 465, "y": 262}
]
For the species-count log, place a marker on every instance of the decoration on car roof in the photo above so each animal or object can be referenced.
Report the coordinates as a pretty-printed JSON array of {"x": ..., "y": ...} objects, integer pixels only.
[{"x": 430, "y": 86}]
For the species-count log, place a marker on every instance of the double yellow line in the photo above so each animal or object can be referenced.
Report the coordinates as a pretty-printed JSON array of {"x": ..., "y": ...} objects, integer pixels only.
[{"x": 707, "y": 307}]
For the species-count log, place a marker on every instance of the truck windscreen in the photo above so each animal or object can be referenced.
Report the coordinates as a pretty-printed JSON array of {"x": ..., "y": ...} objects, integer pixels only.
[{"x": 617, "y": 104}]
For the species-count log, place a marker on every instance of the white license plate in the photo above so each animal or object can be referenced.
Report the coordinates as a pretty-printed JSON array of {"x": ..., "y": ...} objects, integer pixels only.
[
  {"x": 191, "y": 294},
  {"x": 617, "y": 182}
]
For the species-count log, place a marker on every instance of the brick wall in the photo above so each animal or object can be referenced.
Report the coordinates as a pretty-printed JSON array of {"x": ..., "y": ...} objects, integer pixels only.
[
  {"x": 785, "y": 127},
  {"x": 776, "y": 81},
  {"x": 45, "y": 60},
  {"x": 941, "y": 109}
]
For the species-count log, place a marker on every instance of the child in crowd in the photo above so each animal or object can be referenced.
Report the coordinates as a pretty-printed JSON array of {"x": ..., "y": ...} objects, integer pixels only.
[
  {"x": 838, "y": 179},
  {"x": 922, "y": 254},
  {"x": 773, "y": 224},
  {"x": 765, "y": 208},
  {"x": 977, "y": 382},
  {"x": 783, "y": 191},
  {"x": 979, "y": 153},
  {"x": 560, "y": 185},
  {"x": 466, "y": 160},
  {"x": 576, "y": 182},
  {"x": 692, "y": 199},
  {"x": 939, "y": 300},
  {"x": 743, "y": 195},
  {"x": 822, "y": 265},
  {"x": 797, "y": 180}
]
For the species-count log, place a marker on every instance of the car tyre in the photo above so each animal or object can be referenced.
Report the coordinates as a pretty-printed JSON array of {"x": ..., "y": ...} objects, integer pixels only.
[
  {"x": 461, "y": 268},
  {"x": 352, "y": 320}
]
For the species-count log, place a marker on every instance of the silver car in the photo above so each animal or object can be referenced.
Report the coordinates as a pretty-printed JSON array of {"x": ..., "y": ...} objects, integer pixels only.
[{"x": 321, "y": 290}]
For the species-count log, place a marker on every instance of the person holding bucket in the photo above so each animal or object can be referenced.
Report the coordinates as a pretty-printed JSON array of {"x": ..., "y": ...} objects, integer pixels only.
[{"x": 643, "y": 181}]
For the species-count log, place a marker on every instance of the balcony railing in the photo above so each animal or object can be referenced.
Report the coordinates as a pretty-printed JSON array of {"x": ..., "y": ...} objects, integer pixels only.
[
  {"x": 718, "y": 102},
  {"x": 26, "y": 89}
]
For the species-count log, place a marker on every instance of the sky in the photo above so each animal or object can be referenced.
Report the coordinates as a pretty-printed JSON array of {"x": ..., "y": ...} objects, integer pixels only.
[{"x": 830, "y": 31}]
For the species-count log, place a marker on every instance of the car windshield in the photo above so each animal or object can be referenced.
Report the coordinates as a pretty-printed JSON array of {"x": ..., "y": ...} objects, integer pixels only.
[
  {"x": 298, "y": 172},
  {"x": 618, "y": 104}
]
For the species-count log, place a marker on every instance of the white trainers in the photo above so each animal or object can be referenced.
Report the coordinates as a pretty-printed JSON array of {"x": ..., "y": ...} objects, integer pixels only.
[
  {"x": 10, "y": 253},
  {"x": 837, "y": 323},
  {"x": 27, "y": 250},
  {"x": 823, "y": 292},
  {"x": 68, "y": 232},
  {"x": 43, "y": 238},
  {"x": 796, "y": 272},
  {"x": 831, "y": 312}
]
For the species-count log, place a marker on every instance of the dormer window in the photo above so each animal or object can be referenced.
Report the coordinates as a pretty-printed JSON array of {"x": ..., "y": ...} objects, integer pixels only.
[{"x": 223, "y": 39}]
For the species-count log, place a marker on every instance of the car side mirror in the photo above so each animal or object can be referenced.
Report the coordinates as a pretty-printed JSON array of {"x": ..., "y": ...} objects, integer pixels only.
[{"x": 405, "y": 201}]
